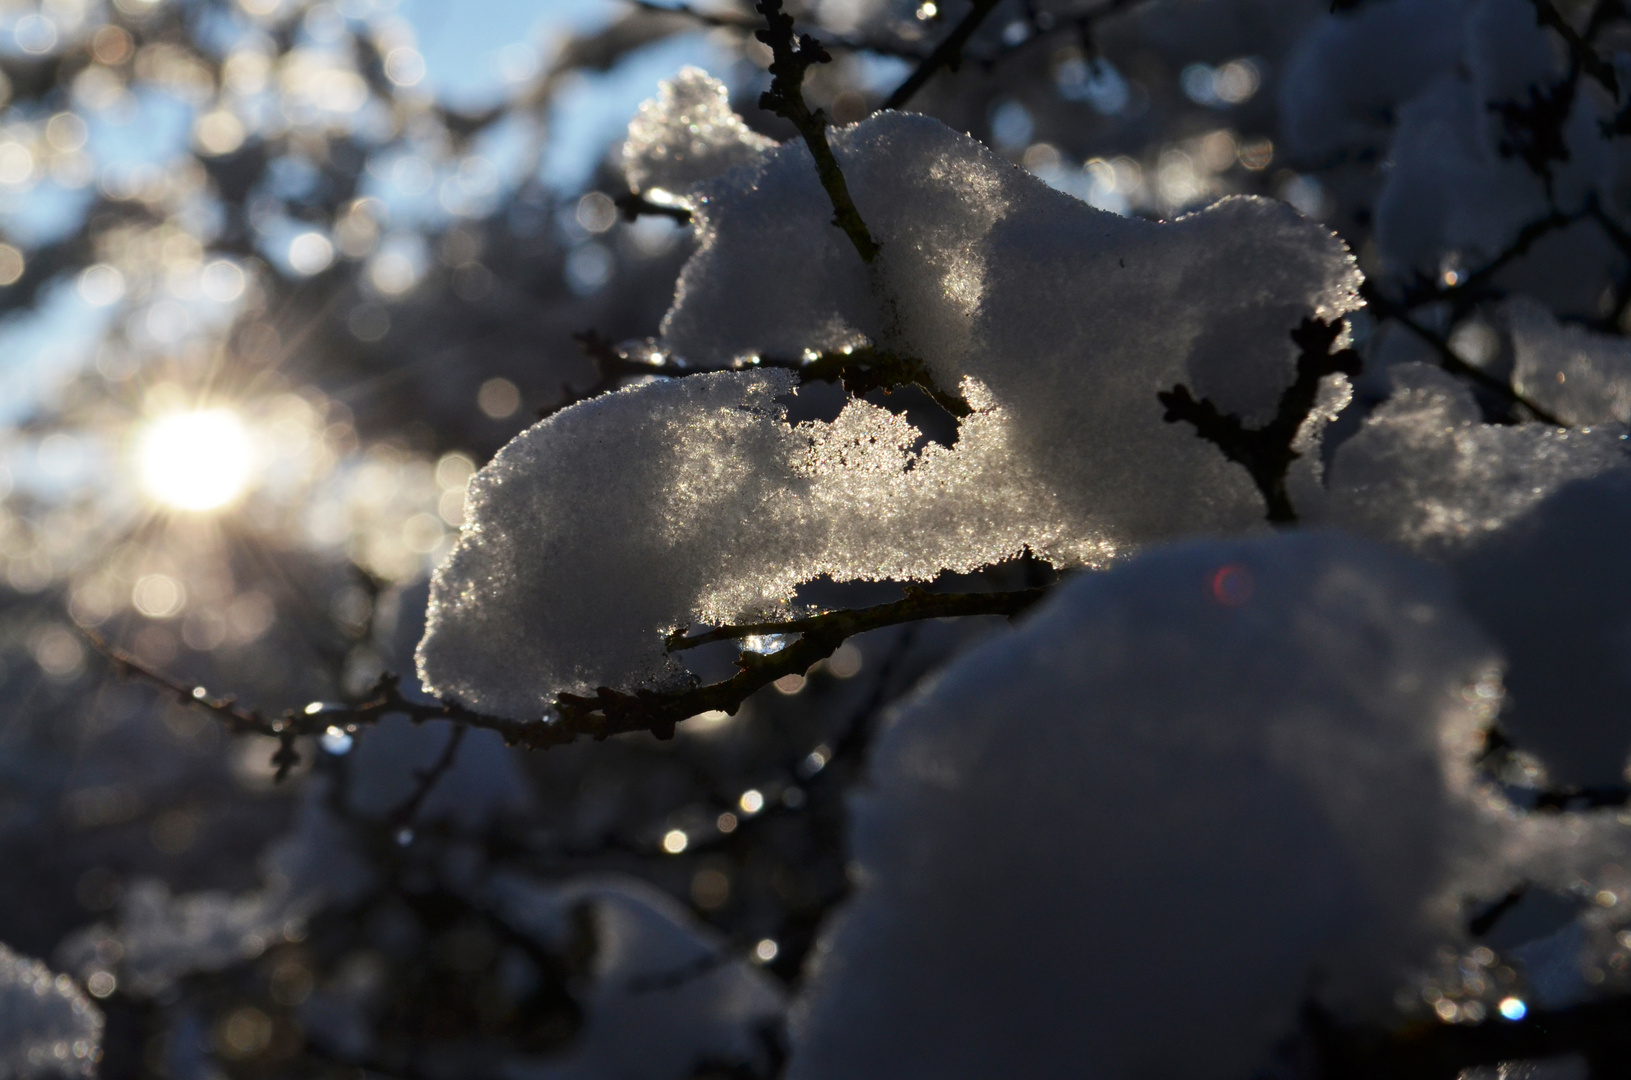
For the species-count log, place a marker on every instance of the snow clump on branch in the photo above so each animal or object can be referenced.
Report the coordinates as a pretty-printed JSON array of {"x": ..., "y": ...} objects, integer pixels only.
[{"x": 604, "y": 527}]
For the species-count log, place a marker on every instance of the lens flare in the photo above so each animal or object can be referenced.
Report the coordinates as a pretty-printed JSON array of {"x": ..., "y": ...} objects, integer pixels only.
[{"x": 196, "y": 461}]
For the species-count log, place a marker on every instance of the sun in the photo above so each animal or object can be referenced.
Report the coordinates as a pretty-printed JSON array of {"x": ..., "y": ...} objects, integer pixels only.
[{"x": 199, "y": 460}]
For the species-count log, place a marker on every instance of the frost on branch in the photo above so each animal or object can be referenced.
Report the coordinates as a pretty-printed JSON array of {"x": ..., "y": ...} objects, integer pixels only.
[
  {"x": 1205, "y": 785},
  {"x": 48, "y": 1027},
  {"x": 687, "y": 134},
  {"x": 611, "y": 523}
]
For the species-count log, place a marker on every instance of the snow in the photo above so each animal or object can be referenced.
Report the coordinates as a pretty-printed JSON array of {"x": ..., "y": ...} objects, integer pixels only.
[
  {"x": 1425, "y": 471},
  {"x": 1417, "y": 85},
  {"x": 1579, "y": 376},
  {"x": 605, "y": 526},
  {"x": 1349, "y": 72},
  {"x": 1569, "y": 1067},
  {"x": 1204, "y": 784},
  {"x": 595, "y": 532},
  {"x": 1454, "y": 196},
  {"x": 48, "y": 1027},
  {"x": 1554, "y": 590},
  {"x": 664, "y": 994},
  {"x": 161, "y": 937},
  {"x": 687, "y": 134}
]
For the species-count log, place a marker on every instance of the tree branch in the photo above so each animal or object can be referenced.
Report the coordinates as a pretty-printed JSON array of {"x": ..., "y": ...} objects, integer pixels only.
[
  {"x": 427, "y": 779},
  {"x": 792, "y": 55},
  {"x": 608, "y": 712},
  {"x": 1266, "y": 452},
  {"x": 918, "y": 604},
  {"x": 1447, "y": 358},
  {"x": 859, "y": 371},
  {"x": 948, "y": 54},
  {"x": 1582, "y": 55},
  {"x": 633, "y": 205}
]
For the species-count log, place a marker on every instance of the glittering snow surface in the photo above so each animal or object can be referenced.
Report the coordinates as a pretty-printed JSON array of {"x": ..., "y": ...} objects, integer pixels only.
[
  {"x": 603, "y": 527},
  {"x": 48, "y": 1027},
  {"x": 687, "y": 134}
]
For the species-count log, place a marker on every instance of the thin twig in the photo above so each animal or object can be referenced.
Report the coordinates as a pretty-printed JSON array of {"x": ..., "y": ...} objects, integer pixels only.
[
  {"x": 1580, "y": 51},
  {"x": 918, "y": 604},
  {"x": 1468, "y": 288},
  {"x": 633, "y": 205},
  {"x": 1447, "y": 358},
  {"x": 611, "y": 712},
  {"x": 608, "y": 712},
  {"x": 1267, "y": 452},
  {"x": 427, "y": 779},
  {"x": 859, "y": 371},
  {"x": 791, "y": 56},
  {"x": 948, "y": 54},
  {"x": 732, "y": 21}
]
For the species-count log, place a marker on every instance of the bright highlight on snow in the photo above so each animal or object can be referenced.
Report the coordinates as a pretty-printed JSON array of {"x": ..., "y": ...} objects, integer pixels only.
[
  {"x": 600, "y": 529},
  {"x": 197, "y": 461}
]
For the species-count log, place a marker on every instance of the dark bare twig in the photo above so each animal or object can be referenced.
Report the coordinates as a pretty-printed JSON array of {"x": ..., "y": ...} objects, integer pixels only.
[
  {"x": 866, "y": 369},
  {"x": 1581, "y": 54},
  {"x": 1447, "y": 358},
  {"x": 1586, "y": 798},
  {"x": 859, "y": 371},
  {"x": 727, "y": 20},
  {"x": 1485, "y": 920},
  {"x": 793, "y": 55},
  {"x": 918, "y": 604},
  {"x": 1469, "y": 287},
  {"x": 427, "y": 779},
  {"x": 1266, "y": 452},
  {"x": 948, "y": 54},
  {"x": 608, "y": 712},
  {"x": 611, "y": 711},
  {"x": 632, "y": 206},
  {"x": 732, "y": 21}
]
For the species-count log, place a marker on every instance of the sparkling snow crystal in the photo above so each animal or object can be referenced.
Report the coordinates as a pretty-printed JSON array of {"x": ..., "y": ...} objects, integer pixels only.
[
  {"x": 688, "y": 134},
  {"x": 1205, "y": 784},
  {"x": 603, "y": 527},
  {"x": 48, "y": 1027}
]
